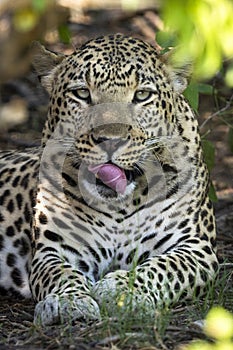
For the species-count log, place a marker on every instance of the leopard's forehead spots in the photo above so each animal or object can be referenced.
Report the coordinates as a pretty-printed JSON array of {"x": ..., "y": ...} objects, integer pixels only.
[{"x": 114, "y": 61}]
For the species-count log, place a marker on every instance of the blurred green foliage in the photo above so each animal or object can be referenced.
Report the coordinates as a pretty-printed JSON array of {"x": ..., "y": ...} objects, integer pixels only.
[
  {"x": 26, "y": 18},
  {"x": 218, "y": 326},
  {"x": 203, "y": 33}
]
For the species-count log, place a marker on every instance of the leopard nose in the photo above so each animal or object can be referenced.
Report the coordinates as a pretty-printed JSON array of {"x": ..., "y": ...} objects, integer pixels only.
[
  {"x": 98, "y": 140},
  {"x": 109, "y": 145}
]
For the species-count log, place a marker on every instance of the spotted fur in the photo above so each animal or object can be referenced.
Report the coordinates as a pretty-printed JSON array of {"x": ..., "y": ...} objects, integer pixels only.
[{"x": 74, "y": 243}]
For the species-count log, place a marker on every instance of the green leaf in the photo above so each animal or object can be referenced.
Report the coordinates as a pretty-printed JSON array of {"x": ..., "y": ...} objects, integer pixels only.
[
  {"x": 209, "y": 156},
  {"x": 209, "y": 153},
  {"x": 64, "y": 34},
  {"x": 192, "y": 95},
  {"x": 212, "y": 193},
  {"x": 166, "y": 40},
  {"x": 206, "y": 89}
]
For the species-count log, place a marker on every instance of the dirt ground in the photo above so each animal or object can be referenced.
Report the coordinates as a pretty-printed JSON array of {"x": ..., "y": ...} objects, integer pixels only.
[{"x": 23, "y": 94}]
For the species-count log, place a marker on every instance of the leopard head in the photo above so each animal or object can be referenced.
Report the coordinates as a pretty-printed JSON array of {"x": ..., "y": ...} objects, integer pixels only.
[{"x": 114, "y": 101}]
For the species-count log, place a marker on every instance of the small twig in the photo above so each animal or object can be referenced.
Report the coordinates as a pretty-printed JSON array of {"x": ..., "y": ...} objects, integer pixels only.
[{"x": 228, "y": 105}]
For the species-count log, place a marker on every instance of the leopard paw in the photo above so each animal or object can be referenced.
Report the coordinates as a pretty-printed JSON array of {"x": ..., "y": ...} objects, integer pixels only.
[
  {"x": 55, "y": 309},
  {"x": 120, "y": 290},
  {"x": 113, "y": 287}
]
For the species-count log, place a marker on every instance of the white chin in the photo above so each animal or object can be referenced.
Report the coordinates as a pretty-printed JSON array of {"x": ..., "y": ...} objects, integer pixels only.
[{"x": 104, "y": 193}]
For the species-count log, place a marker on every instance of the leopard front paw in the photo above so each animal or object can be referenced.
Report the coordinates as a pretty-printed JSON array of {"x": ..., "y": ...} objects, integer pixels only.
[
  {"x": 120, "y": 290},
  {"x": 112, "y": 289},
  {"x": 55, "y": 309}
]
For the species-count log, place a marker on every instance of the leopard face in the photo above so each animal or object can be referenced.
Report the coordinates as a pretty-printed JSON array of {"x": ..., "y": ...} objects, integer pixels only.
[{"x": 114, "y": 108}]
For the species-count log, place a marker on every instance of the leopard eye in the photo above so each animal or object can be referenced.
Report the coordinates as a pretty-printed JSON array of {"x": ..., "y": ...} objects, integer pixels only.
[
  {"x": 142, "y": 95},
  {"x": 83, "y": 94}
]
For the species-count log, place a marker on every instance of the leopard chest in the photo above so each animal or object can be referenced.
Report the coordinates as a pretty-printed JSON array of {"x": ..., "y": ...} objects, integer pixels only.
[{"x": 98, "y": 241}]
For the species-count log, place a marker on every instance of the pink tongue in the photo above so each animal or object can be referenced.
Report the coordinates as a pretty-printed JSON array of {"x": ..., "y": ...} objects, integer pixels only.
[{"x": 110, "y": 175}]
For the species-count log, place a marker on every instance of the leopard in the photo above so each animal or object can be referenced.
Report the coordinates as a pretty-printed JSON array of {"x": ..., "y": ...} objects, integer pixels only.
[{"x": 113, "y": 207}]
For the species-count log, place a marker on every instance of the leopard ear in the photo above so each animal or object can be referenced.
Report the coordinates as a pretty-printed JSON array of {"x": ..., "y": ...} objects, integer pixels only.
[
  {"x": 179, "y": 80},
  {"x": 178, "y": 74},
  {"x": 45, "y": 63}
]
